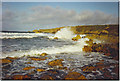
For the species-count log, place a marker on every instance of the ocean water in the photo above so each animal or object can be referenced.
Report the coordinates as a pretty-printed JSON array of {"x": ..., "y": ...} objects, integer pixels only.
[
  {"x": 20, "y": 44},
  {"x": 15, "y": 43}
]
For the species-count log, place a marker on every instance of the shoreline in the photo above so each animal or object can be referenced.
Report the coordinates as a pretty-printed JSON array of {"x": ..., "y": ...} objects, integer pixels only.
[{"x": 69, "y": 67}]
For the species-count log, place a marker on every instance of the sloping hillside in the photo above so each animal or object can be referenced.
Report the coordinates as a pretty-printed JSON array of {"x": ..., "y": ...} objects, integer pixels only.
[{"x": 86, "y": 29}]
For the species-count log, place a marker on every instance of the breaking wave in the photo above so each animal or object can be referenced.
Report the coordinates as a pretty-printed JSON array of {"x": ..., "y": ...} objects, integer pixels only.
[
  {"x": 77, "y": 47},
  {"x": 65, "y": 34},
  {"x": 21, "y": 35}
]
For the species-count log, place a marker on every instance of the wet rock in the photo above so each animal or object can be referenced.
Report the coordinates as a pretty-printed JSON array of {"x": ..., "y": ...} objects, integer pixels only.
[
  {"x": 88, "y": 69},
  {"x": 7, "y": 66},
  {"x": 12, "y": 58},
  {"x": 28, "y": 68},
  {"x": 76, "y": 38},
  {"x": 53, "y": 74},
  {"x": 100, "y": 66},
  {"x": 107, "y": 75},
  {"x": 55, "y": 37},
  {"x": 87, "y": 49},
  {"x": 32, "y": 72},
  {"x": 38, "y": 58},
  {"x": 100, "y": 63},
  {"x": 57, "y": 62},
  {"x": 28, "y": 63},
  {"x": 46, "y": 77},
  {"x": 62, "y": 68},
  {"x": 40, "y": 70},
  {"x": 75, "y": 76},
  {"x": 5, "y": 61},
  {"x": 116, "y": 69},
  {"x": 20, "y": 77},
  {"x": 90, "y": 42},
  {"x": 44, "y": 54}
]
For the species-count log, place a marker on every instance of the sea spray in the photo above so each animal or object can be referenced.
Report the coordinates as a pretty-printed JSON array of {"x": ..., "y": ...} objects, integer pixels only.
[{"x": 65, "y": 33}]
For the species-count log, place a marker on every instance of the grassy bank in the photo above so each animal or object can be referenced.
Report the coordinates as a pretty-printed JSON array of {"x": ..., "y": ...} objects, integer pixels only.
[{"x": 86, "y": 29}]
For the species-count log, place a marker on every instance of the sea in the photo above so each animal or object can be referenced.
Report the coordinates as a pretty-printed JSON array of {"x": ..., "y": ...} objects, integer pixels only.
[{"x": 20, "y": 44}]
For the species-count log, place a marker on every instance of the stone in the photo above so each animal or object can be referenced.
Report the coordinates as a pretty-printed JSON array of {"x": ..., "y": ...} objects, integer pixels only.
[
  {"x": 62, "y": 68},
  {"x": 57, "y": 62},
  {"x": 5, "y": 61},
  {"x": 88, "y": 69},
  {"x": 90, "y": 42},
  {"x": 40, "y": 70},
  {"x": 75, "y": 76},
  {"x": 38, "y": 59},
  {"x": 76, "y": 38},
  {"x": 87, "y": 49},
  {"x": 12, "y": 58},
  {"x": 46, "y": 77},
  {"x": 28, "y": 68},
  {"x": 32, "y": 72},
  {"x": 28, "y": 62},
  {"x": 44, "y": 54},
  {"x": 20, "y": 77},
  {"x": 54, "y": 74},
  {"x": 55, "y": 37}
]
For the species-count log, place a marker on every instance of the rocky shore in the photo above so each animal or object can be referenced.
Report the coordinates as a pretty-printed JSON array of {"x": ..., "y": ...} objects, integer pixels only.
[{"x": 58, "y": 67}]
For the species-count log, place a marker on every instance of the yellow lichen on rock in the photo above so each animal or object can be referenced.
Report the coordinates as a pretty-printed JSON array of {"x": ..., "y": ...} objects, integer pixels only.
[
  {"x": 46, "y": 77},
  {"x": 40, "y": 70},
  {"x": 43, "y": 54},
  {"x": 88, "y": 69},
  {"x": 87, "y": 49},
  {"x": 90, "y": 42},
  {"x": 12, "y": 58},
  {"x": 57, "y": 62},
  {"x": 76, "y": 38},
  {"x": 38, "y": 59},
  {"x": 5, "y": 61},
  {"x": 20, "y": 77},
  {"x": 104, "y": 31},
  {"x": 74, "y": 76},
  {"x": 28, "y": 68},
  {"x": 55, "y": 37}
]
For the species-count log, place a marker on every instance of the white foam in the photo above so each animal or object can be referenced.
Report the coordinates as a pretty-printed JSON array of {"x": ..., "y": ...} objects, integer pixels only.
[
  {"x": 65, "y": 33},
  {"x": 21, "y": 35},
  {"x": 96, "y": 41}
]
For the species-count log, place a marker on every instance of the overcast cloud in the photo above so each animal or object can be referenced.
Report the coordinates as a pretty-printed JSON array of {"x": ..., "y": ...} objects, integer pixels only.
[{"x": 48, "y": 17}]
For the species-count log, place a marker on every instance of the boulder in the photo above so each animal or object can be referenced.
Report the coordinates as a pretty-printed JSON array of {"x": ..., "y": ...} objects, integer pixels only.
[
  {"x": 46, "y": 77},
  {"x": 44, "y": 54},
  {"x": 90, "y": 42},
  {"x": 74, "y": 76},
  {"x": 87, "y": 49},
  {"x": 38, "y": 59},
  {"x": 88, "y": 69},
  {"x": 5, "y": 61},
  {"x": 55, "y": 37},
  {"x": 12, "y": 58},
  {"x": 21, "y": 77},
  {"x": 76, "y": 38},
  {"x": 28, "y": 68},
  {"x": 40, "y": 70},
  {"x": 57, "y": 62}
]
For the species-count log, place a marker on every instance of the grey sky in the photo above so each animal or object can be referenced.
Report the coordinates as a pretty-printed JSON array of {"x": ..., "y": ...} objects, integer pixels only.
[{"x": 30, "y": 16}]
